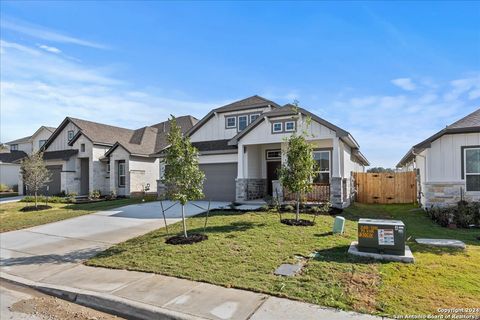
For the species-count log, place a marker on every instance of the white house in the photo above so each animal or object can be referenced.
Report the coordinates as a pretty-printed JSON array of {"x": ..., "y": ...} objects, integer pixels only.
[
  {"x": 33, "y": 143},
  {"x": 448, "y": 163},
  {"x": 241, "y": 145},
  {"x": 84, "y": 156}
]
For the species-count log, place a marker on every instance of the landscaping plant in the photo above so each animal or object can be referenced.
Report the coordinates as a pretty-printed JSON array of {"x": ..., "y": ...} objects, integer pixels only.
[
  {"x": 35, "y": 174},
  {"x": 299, "y": 169},
  {"x": 183, "y": 177}
]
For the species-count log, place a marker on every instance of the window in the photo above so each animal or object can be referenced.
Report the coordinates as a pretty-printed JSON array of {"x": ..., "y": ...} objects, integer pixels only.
[
  {"x": 70, "y": 135},
  {"x": 13, "y": 147},
  {"x": 242, "y": 122},
  {"x": 41, "y": 143},
  {"x": 323, "y": 166},
  {"x": 231, "y": 122},
  {"x": 290, "y": 126},
  {"x": 108, "y": 167},
  {"x": 121, "y": 173},
  {"x": 277, "y": 127},
  {"x": 82, "y": 147},
  {"x": 472, "y": 169},
  {"x": 254, "y": 117},
  {"x": 274, "y": 154}
]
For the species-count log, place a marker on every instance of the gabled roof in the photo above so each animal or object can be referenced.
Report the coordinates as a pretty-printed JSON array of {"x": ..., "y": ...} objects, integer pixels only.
[
  {"x": 13, "y": 156},
  {"x": 29, "y": 138},
  {"x": 469, "y": 123},
  {"x": 21, "y": 140},
  {"x": 291, "y": 110},
  {"x": 151, "y": 140},
  {"x": 244, "y": 104}
]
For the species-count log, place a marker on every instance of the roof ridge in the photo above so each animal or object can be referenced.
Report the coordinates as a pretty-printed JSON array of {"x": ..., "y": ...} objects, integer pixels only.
[
  {"x": 467, "y": 117},
  {"x": 99, "y": 123}
]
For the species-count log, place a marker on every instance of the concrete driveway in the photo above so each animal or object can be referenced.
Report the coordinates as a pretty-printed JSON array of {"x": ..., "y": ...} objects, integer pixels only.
[
  {"x": 60, "y": 245},
  {"x": 11, "y": 199}
]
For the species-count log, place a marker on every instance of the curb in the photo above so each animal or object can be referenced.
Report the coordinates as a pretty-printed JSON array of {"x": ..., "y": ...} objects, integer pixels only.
[{"x": 102, "y": 301}]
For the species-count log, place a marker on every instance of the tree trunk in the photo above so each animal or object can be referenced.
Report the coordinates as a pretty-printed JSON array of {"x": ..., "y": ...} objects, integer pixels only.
[
  {"x": 297, "y": 215},
  {"x": 184, "y": 222},
  {"x": 36, "y": 199}
]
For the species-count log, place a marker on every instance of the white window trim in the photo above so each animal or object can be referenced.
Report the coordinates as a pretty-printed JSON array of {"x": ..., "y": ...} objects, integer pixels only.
[
  {"x": 465, "y": 170},
  {"x": 68, "y": 135},
  {"x": 122, "y": 175},
  {"x": 14, "y": 147},
  {"x": 290, "y": 130},
  {"x": 246, "y": 121},
  {"x": 232, "y": 126},
  {"x": 274, "y": 158},
  {"x": 252, "y": 115},
  {"x": 40, "y": 144},
  {"x": 329, "y": 171},
  {"x": 273, "y": 127}
]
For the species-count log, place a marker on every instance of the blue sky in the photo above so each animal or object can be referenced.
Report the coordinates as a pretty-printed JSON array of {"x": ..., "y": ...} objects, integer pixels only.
[{"x": 390, "y": 73}]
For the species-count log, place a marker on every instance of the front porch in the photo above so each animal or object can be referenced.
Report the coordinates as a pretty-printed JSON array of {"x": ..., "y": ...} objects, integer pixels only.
[{"x": 257, "y": 176}]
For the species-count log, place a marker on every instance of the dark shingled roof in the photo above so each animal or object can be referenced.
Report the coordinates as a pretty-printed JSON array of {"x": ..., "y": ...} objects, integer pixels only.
[
  {"x": 59, "y": 154},
  {"x": 467, "y": 124},
  {"x": 247, "y": 103},
  {"x": 9, "y": 157},
  {"x": 21, "y": 140},
  {"x": 214, "y": 145}
]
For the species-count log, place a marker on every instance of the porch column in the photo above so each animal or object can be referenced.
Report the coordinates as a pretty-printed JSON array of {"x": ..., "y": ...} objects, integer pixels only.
[
  {"x": 240, "y": 182},
  {"x": 336, "y": 178}
]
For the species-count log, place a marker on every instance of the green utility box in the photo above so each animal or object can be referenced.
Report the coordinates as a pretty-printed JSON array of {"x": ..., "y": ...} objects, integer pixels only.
[{"x": 381, "y": 236}]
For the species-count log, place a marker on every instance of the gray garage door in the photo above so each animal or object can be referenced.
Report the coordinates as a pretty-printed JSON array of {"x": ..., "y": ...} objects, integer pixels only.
[
  {"x": 54, "y": 184},
  {"x": 220, "y": 181}
]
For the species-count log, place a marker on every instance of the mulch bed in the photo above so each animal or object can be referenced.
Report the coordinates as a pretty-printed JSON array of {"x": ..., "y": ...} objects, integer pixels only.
[
  {"x": 33, "y": 208},
  {"x": 335, "y": 211},
  {"x": 192, "y": 238},
  {"x": 299, "y": 222}
]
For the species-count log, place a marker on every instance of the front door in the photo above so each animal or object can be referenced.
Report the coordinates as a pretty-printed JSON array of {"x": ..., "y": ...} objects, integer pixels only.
[
  {"x": 84, "y": 176},
  {"x": 272, "y": 174}
]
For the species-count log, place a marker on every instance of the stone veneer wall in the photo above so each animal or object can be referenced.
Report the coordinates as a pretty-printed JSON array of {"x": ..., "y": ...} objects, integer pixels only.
[
  {"x": 443, "y": 194},
  {"x": 250, "y": 189}
]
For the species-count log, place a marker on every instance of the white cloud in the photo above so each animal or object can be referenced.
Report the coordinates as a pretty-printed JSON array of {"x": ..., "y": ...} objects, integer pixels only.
[
  {"x": 405, "y": 84},
  {"x": 49, "y": 49},
  {"x": 39, "y": 88},
  {"x": 40, "y": 32},
  {"x": 468, "y": 86}
]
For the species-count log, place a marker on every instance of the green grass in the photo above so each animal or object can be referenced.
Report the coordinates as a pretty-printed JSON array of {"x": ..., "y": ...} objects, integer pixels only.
[
  {"x": 243, "y": 250},
  {"x": 11, "y": 218},
  {"x": 8, "y": 194}
]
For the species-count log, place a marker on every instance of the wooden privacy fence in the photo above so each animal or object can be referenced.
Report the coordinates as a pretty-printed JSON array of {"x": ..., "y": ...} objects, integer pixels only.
[{"x": 398, "y": 187}]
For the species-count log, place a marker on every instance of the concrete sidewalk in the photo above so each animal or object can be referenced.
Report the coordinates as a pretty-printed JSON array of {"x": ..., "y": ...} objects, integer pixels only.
[{"x": 50, "y": 257}]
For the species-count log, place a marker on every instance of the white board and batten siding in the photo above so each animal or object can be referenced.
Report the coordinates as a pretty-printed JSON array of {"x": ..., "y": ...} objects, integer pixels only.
[
  {"x": 444, "y": 157},
  {"x": 61, "y": 141}
]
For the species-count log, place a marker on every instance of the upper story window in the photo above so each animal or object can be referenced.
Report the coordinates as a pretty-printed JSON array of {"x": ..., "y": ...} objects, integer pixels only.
[
  {"x": 290, "y": 126},
  {"x": 70, "y": 135},
  {"x": 82, "y": 147},
  {"x": 254, "y": 117},
  {"x": 277, "y": 127},
  {"x": 231, "y": 122},
  {"x": 242, "y": 122},
  {"x": 41, "y": 143},
  {"x": 13, "y": 147},
  {"x": 322, "y": 157},
  {"x": 472, "y": 168},
  {"x": 108, "y": 167}
]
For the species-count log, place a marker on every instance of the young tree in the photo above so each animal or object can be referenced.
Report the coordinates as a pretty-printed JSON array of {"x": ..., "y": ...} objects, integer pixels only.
[
  {"x": 35, "y": 174},
  {"x": 183, "y": 177},
  {"x": 299, "y": 169}
]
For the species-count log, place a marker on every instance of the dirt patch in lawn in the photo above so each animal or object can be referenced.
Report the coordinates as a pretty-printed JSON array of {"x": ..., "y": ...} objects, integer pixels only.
[
  {"x": 37, "y": 208},
  {"x": 299, "y": 222},
  {"x": 362, "y": 288},
  {"x": 192, "y": 238}
]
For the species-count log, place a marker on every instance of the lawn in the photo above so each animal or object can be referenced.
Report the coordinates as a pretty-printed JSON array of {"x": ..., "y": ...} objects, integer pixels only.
[
  {"x": 243, "y": 250},
  {"x": 11, "y": 218}
]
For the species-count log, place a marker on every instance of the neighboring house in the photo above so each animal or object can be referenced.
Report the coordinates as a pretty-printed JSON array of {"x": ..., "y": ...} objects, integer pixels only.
[
  {"x": 10, "y": 169},
  {"x": 33, "y": 143},
  {"x": 241, "y": 146},
  {"x": 448, "y": 163},
  {"x": 84, "y": 156}
]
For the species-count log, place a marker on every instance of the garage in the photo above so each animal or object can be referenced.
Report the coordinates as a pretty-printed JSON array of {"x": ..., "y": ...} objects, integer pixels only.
[
  {"x": 219, "y": 182},
  {"x": 54, "y": 186}
]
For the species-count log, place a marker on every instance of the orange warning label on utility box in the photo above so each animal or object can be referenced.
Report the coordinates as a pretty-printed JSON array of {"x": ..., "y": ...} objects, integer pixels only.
[{"x": 367, "y": 231}]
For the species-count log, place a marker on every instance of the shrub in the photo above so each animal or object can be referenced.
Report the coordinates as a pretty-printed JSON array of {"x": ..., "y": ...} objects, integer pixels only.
[
  {"x": 288, "y": 208},
  {"x": 264, "y": 208},
  {"x": 463, "y": 214},
  {"x": 53, "y": 199},
  {"x": 315, "y": 209},
  {"x": 95, "y": 194}
]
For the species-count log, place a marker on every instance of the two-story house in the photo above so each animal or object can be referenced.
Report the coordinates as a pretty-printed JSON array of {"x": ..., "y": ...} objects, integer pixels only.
[{"x": 241, "y": 147}]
